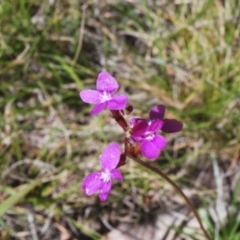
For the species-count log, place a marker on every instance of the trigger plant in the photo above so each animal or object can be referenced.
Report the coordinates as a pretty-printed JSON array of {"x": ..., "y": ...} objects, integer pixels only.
[{"x": 142, "y": 138}]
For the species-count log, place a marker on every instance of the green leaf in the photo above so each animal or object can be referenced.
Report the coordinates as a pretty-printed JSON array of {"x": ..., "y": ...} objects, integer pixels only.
[{"x": 15, "y": 198}]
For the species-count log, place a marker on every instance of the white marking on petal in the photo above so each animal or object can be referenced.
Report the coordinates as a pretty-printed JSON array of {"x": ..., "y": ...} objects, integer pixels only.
[
  {"x": 149, "y": 135},
  {"x": 106, "y": 175},
  {"x": 105, "y": 96}
]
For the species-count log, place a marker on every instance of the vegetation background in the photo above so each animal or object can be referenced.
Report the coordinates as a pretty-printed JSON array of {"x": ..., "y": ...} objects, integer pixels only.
[{"x": 181, "y": 53}]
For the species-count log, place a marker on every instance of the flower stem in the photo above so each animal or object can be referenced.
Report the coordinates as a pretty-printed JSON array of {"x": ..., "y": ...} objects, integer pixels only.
[
  {"x": 166, "y": 178},
  {"x": 119, "y": 119}
]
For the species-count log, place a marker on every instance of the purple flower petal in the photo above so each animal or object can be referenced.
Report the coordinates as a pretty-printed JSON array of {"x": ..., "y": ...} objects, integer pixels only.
[
  {"x": 90, "y": 96},
  {"x": 117, "y": 102},
  {"x": 98, "y": 108},
  {"x": 106, "y": 187},
  {"x": 171, "y": 126},
  {"x": 133, "y": 121},
  {"x": 140, "y": 128},
  {"x": 92, "y": 183},
  {"x": 116, "y": 174},
  {"x": 155, "y": 125},
  {"x": 110, "y": 156},
  {"x": 157, "y": 112},
  {"x": 159, "y": 141},
  {"x": 150, "y": 150},
  {"x": 105, "y": 82}
]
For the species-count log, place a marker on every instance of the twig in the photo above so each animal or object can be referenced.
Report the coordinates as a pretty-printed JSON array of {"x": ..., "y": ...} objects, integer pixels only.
[
  {"x": 32, "y": 226},
  {"x": 81, "y": 33}
]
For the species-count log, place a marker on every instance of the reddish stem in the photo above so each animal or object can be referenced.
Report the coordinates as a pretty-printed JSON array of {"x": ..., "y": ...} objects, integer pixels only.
[
  {"x": 166, "y": 178},
  {"x": 120, "y": 119}
]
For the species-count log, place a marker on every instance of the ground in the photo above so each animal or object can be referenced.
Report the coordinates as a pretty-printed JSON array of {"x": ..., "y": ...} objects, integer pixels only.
[{"x": 184, "y": 54}]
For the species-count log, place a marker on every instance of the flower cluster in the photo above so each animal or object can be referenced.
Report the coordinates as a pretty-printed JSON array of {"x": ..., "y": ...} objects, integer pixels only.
[{"x": 141, "y": 135}]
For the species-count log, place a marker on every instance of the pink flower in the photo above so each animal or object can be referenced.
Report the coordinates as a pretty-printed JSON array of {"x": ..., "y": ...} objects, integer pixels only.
[
  {"x": 102, "y": 181},
  {"x": 102, "y": 97},
  {"x": 145, "y": 131}
]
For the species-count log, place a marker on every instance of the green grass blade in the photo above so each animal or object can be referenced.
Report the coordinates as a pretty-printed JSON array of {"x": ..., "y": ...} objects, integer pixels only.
[
  {"x": 12, "y": 200},
  {"x": 86, "y": 230},
  {"x": 70, "y": 70}
]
